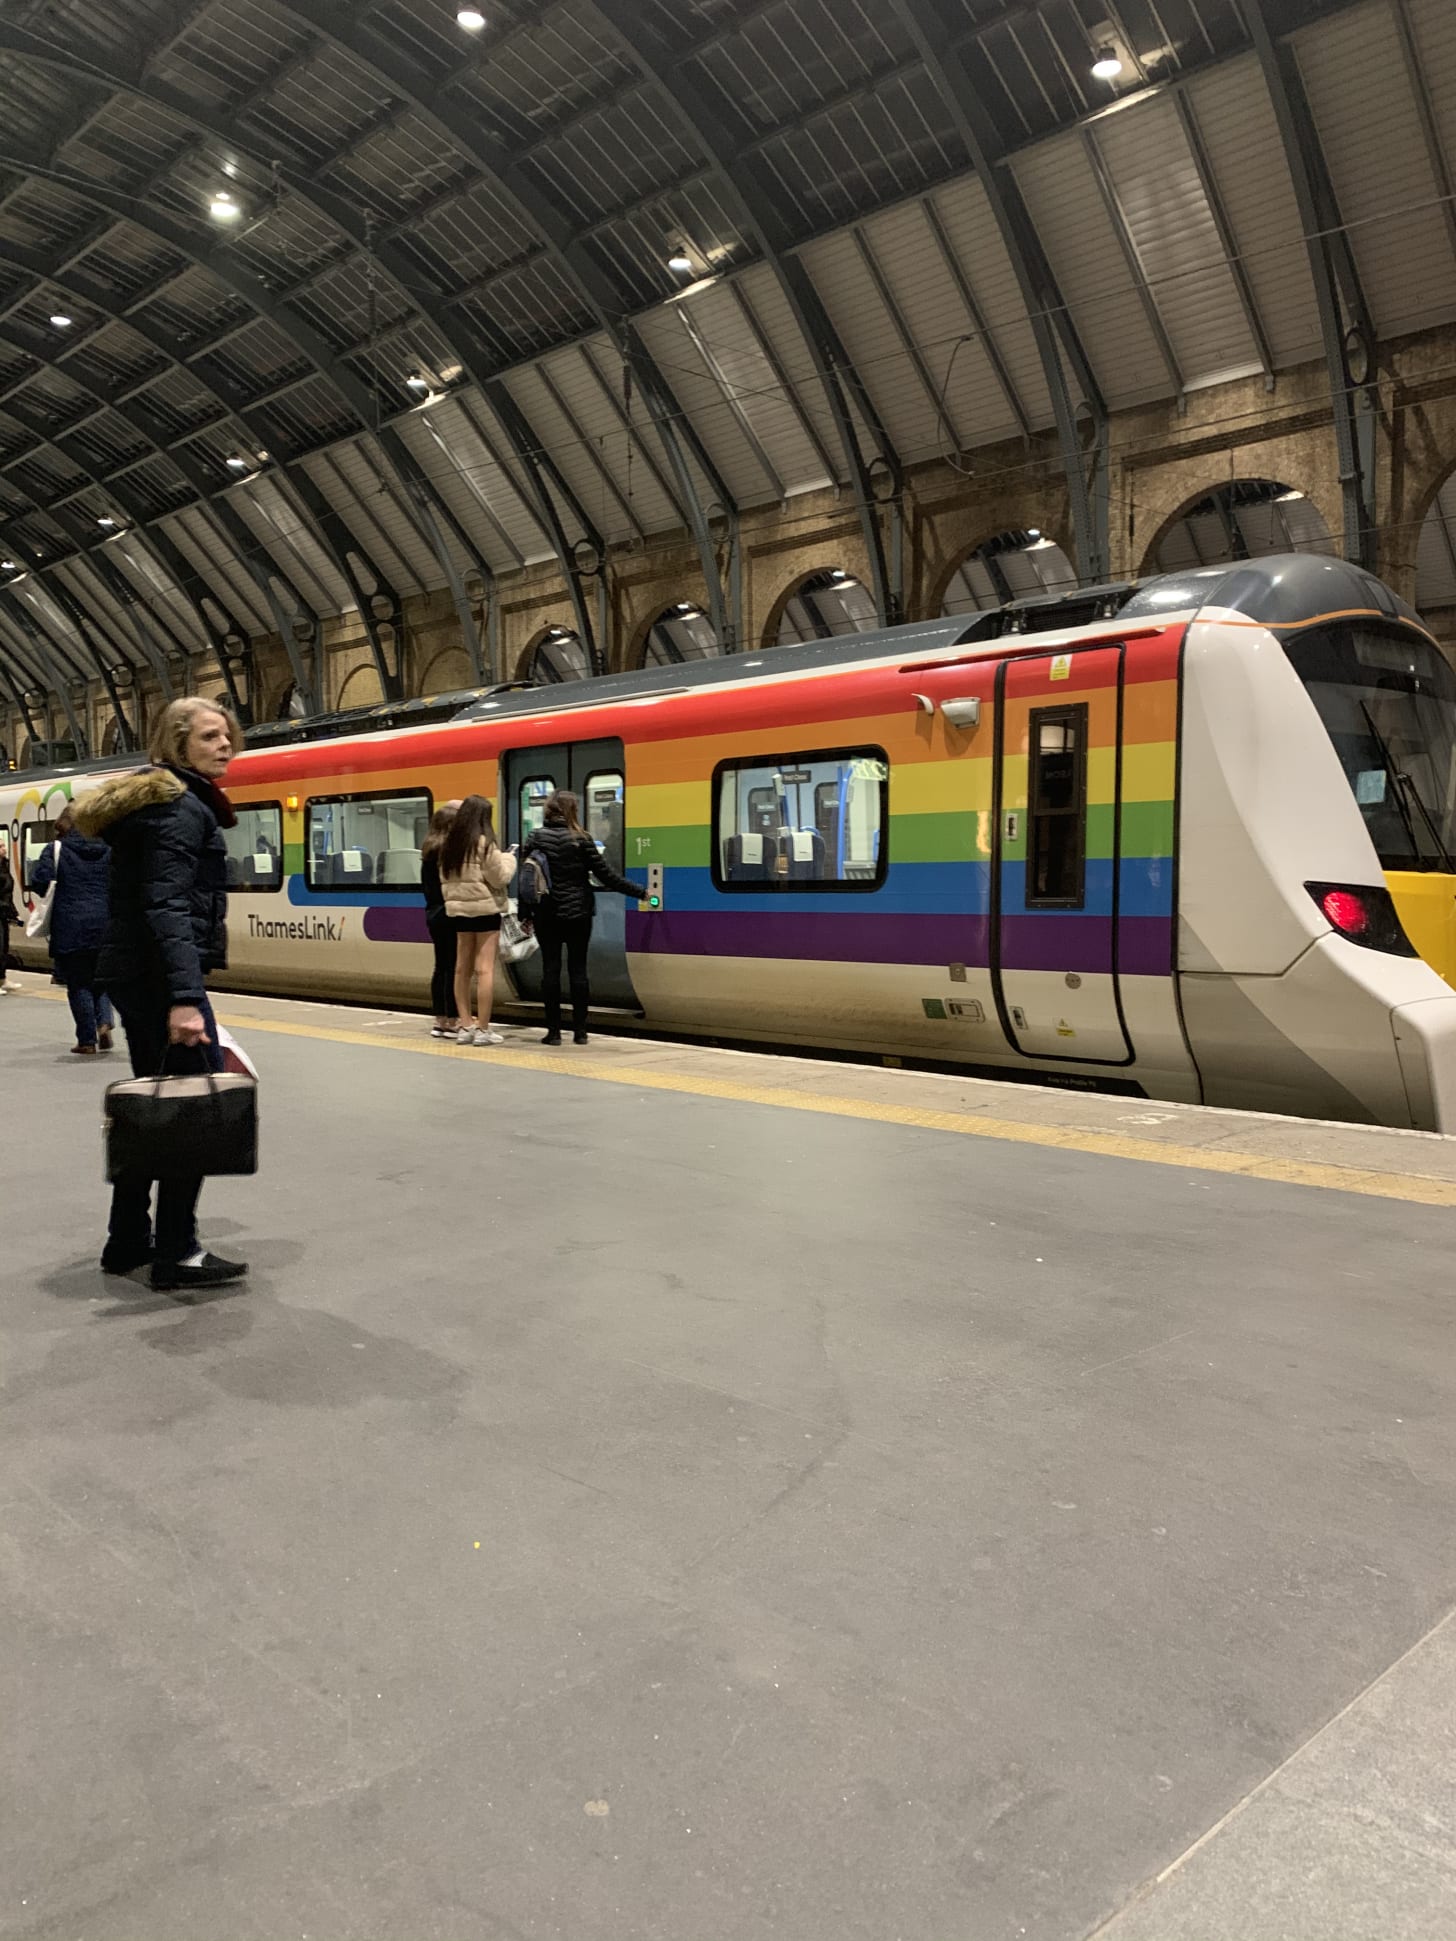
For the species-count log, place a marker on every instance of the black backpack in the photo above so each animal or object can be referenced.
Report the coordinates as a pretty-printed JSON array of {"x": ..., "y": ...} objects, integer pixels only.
[{"x": 533, "y": 884}]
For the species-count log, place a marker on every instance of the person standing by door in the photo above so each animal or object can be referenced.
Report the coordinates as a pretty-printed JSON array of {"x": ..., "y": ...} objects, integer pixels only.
[
  {"x": 7, "y": 917},
  {"x": 79, "y": 866},
  {"x": 168, "y": 929},
  {"x": 437, "y": 921},
  {"x": 474, "y": 874},
  {"x": 564, "y": 919}
]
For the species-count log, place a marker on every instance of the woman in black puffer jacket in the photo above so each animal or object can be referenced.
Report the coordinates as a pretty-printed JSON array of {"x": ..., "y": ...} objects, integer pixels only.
[
  {"x": 168, "y": 929},
  {"x": 79, "y": 867},
  {"x": 572, "y": 859}
]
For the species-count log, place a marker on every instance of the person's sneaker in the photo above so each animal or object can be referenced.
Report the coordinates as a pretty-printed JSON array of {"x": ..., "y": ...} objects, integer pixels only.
[
  {"x": 177, "y": 1276},
  {"x": 83, "y": 1051},
  {"x": 115, "y": 1262},
  {"x": 465, "y": 1035},
  {"x": 441, "y": 1031},
  {"x": 103, "y": 1038},
  {"x": 552, "y": 1038},
  {"x": 579, "y": 1038},
  {"x": 487, "y": 1038}
]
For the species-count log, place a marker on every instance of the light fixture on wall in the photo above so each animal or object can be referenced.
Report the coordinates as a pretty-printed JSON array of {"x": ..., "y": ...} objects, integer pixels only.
[{"x": 1107, "y": 65}]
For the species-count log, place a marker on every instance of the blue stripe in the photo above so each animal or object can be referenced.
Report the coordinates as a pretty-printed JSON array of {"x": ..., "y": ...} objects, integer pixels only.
[
  {"x": 932, "y": 889},
  {"x": 1147, "y": 888},
  {"x": 365, "y": 899}
]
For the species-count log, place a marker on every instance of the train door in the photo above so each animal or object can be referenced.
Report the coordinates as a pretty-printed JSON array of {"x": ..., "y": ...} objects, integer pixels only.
[
  {"x": 1055, "y": 871},
  {"x": 595, "y": 771}
]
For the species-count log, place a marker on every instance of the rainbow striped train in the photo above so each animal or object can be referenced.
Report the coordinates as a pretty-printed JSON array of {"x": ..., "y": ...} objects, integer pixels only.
[{"x": 1189, "y": 839}]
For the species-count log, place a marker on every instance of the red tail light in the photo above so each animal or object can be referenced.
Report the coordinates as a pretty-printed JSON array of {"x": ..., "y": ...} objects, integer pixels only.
[{"x": 1363, "y": 914}]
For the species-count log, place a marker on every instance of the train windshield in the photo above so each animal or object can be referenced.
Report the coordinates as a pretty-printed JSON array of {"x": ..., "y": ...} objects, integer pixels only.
[{"x": 1388, "y": 702}]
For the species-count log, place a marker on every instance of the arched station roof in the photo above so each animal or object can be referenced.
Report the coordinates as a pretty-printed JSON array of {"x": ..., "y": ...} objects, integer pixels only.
[{"x": 308, "y": 305}]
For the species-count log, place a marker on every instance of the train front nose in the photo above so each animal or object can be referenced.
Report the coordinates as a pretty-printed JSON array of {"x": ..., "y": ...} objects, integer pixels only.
[{"x": 1425, "y": 1042}]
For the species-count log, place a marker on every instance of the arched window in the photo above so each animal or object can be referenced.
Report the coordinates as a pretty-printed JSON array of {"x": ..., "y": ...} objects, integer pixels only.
[
  {"x": 1012, "y": 566},
  {"x": 680, "y": 633},
  {"x": 559, "y": 655},
  {"x": 826, "y": 603},
  {"x": 1240, "y": 519}
]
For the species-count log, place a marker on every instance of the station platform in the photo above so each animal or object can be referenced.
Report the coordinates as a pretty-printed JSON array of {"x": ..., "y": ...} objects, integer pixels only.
[{"x": 651, "y": 1493}]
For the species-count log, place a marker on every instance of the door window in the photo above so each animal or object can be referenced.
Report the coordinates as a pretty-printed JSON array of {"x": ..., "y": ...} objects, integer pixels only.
[
  {"x": 1056, "y": 877},
  {"x": 602, "y": 811},
  {"x": 533, "y": 794}
]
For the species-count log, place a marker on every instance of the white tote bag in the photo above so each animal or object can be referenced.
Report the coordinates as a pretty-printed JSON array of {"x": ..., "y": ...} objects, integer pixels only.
[{"x": 38, "y": 923}]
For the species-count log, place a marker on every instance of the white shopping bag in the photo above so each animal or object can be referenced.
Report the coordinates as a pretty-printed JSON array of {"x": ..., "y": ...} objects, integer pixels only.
[{"x": 234, "y": 1058}]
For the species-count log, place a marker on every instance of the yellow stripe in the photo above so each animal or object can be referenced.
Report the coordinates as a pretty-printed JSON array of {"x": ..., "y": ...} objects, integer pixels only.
[{"x": 1101, "y": 1145}]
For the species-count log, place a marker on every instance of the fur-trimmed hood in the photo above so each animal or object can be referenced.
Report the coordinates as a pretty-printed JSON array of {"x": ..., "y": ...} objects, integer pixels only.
[{"x": 124, "y": 795}]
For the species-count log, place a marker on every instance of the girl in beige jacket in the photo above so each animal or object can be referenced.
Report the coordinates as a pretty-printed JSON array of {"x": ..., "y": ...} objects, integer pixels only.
[{"x": 474, "y": 874}]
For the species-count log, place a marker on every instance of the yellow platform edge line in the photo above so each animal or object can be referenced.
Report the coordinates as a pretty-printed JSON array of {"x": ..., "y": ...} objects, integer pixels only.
[{"x": 1413, "y": 1189}]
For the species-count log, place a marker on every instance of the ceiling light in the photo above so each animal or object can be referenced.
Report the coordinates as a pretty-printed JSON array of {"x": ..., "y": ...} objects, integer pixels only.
[
  {"x": 7, "y": 565},
  {"x": 1283, "y": 498},
  {"x": 1033, "y": 532},
  {"x": 223, "y": 207},
  {"x": 471, "y": 19},
  {"x": 680, "y": 261},
  {"x": 1107, "y": 66},
  {"x": 238, "y": 465},
  {"x": 61, "y": 322},
  {"x": 107, "y": 525},
  {"x": 230, "y": 170},
  {"x": 839, "y": 574},
  {"x": 686, "y": 606},
  {"x": 419, "y": 385}
]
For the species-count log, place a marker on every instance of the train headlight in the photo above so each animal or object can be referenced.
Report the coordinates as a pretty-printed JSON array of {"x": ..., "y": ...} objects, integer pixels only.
[{"x": 1364, "y": 915}]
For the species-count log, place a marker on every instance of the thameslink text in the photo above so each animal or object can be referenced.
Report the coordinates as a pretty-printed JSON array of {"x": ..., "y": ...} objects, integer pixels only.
[{"x": 302, "y": 930}]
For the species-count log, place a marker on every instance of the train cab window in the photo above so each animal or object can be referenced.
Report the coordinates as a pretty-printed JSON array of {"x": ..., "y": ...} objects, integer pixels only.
[
  {"x": 366, "y": 842},
  {"x": 255, "y": 848},
  {"x": 34, "y": 839},
  {"x": 1056, "y": 860},
  {"x": 602, "y": 812},
  {"x": 534, "y": 792},
  {"x": 801, "y": 823}
]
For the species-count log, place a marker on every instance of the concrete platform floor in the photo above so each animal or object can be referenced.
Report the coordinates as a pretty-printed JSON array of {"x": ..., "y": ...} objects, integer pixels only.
[{"x": 659, "y": 1495}]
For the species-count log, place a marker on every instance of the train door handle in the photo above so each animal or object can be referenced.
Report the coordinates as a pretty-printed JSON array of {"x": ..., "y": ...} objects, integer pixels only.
[{"x": 1012, "y": 825}]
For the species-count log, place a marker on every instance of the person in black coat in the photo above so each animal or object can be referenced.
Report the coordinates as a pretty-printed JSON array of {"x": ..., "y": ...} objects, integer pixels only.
[
  {"x": 168, "y": 929},
  {"x": 7, "y": 917},
  {"x": 437, "y": 921},
  {"x": 80, "y": 909},
  {"x": 565, "y": 917}
]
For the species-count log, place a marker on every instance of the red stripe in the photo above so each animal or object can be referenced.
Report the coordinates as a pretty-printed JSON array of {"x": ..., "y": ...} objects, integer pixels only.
[{"x": 852, "y": 693}]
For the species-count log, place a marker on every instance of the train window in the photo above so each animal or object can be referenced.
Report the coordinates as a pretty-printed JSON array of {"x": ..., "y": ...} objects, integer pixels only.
[
  {"x": 602, "y": 812},
  {"x": 255, "y": 848},
  {"x": 534, "y": 792},
  {"x": 802, "y": 823},
  {"x": 359, "y": 842},
  {"x": 34, "y": 837},
  {"x": 1056, "y": 862}
]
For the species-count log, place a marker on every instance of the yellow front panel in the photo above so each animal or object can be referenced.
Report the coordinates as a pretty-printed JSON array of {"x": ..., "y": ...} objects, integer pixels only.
[{"x": 1426, "y": 904}]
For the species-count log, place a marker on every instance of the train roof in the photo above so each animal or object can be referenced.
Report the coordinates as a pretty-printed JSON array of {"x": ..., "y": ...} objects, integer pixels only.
[{"x": 1284, "y": 590}]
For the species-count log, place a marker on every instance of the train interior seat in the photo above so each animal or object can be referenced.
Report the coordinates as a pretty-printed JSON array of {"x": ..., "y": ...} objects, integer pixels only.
[
  {"x": 803, "y": 853},
  {"x": 749, "y": 858},
  {"x": 397, "y": 869}
]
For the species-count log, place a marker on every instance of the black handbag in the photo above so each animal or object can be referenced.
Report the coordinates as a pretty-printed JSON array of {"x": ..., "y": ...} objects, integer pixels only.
[{"x": 181, "y": 1128}]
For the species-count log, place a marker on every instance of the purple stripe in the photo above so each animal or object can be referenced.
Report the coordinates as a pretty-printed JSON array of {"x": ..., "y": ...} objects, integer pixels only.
[
  {"x": 1051, "y": 942},
  {"x": 828, "y": 939},
  {"x": 396, "y": 924}
]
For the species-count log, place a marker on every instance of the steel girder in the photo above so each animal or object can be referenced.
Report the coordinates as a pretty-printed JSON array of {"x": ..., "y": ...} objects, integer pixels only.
[
  {"x": 933, "y": 28},
  {"x": 1346, "y": 328},
  {"x": 695, "y": 117}
]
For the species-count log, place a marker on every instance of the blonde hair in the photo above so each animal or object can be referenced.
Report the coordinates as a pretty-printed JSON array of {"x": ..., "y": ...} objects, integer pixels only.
[{"x": 174, "y": 727}]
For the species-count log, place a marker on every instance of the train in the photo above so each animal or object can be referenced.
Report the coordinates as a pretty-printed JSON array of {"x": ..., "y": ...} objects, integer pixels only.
[{"x": 1186, "y": 838}]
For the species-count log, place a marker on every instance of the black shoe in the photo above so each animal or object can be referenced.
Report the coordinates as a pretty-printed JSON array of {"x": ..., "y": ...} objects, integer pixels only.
[
  {"x": 114, "y": 1261},
  {"x": 579, "y": 1038},
  {"x": 552, "y": 1038},
  {"x": 175, "y": 1275}
]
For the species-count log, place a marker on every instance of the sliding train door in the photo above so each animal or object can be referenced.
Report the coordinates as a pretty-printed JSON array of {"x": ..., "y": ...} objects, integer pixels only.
[
  {"x": 595, "y": 771},
  {"x": 1054, "y": 916}
]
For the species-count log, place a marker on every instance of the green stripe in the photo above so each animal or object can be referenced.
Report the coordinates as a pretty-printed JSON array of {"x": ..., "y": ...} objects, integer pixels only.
[{"x": 682, "y": 846}]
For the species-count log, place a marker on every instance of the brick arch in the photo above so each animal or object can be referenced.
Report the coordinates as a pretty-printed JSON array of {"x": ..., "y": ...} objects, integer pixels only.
[
  {"x": 360, "y": 688},
  {"x": 1148, "y": 561},
  {"x": 940, "y": 586},
  {"x": 770, "y": 634},
  {"x": 446, "y": 670},
  {"x": 537, "y": 640}
]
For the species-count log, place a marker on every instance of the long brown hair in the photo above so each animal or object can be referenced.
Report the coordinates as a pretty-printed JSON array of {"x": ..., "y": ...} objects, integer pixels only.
[
  {"x": 563, "y": 810},
  {"x": 473, "y": 822},
  {"x": 439, "y": 828}
]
